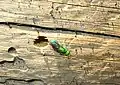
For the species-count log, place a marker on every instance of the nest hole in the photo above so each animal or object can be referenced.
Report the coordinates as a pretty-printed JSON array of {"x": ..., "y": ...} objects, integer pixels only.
[
  {"x": 12, "y": 50},
  {"x": 41, "y": 41}
]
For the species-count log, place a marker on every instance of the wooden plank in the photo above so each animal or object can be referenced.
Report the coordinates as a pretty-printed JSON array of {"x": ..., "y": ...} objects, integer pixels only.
[
  {"x": 94, "y": 17},
  {"x": 93, "y": 58}
]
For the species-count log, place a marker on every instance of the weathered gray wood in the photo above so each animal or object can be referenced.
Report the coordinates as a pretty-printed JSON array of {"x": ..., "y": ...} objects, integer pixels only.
[
  {"x": 95, "y": 15},
  {"x": 94, "y": 60}
]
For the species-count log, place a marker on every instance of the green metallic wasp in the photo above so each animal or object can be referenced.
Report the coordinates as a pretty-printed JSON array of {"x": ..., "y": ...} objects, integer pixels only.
[{"x": 59, "y": 48}]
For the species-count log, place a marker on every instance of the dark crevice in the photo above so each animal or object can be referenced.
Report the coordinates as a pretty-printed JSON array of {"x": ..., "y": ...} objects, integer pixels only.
[
  {"x": 16, "y": 63},
  {"x": 59, "y": 29},
  {"x": 4, "y": 61},
  {"x": 12, "y": 50},
  {"x": 25, "y": 80},
  {"x": 13, "y": 81},
  {"x": 40, "y": 39},
  {"x": 16, "y": 58},
  {"x": 115, "y": 12}
]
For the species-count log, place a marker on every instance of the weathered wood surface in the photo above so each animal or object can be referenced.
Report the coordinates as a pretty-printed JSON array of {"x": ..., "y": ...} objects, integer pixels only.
[
  {"x": 89, "y": 15},
  {"x": 94, "y": 60}
]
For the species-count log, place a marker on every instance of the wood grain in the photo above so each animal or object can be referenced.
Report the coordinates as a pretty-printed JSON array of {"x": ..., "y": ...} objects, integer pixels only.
[
  {"x": 95, "y": 16},
  {"x": 94, "y": 60}
]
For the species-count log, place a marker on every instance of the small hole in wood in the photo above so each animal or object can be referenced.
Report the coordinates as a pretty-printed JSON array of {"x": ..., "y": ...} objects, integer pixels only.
[
  {"x": 12, "y": 50},
  {"x": 41, "y": 41}
]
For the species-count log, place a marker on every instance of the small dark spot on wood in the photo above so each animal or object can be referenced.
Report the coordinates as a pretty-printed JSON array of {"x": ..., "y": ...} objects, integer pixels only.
[
  {"x": 44, "y": 54},
  {"x": 12, "y": 50},
  {"x": 10, "y": 26},
  {"x": 22, "y": 33},
  {"x": 75, "y": 35}
]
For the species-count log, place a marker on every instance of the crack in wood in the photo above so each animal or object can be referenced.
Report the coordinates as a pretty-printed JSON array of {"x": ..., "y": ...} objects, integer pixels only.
[
  {"x": 85, "y": 5},
  {"x": 27, "y": 81},
  {"x": 17, "y": 63},
  {"x": 64, "y": 30}
]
